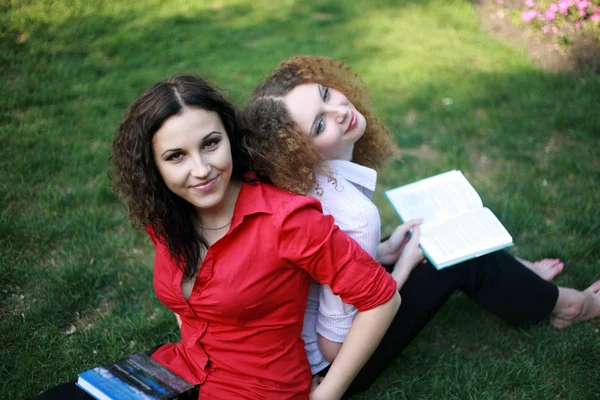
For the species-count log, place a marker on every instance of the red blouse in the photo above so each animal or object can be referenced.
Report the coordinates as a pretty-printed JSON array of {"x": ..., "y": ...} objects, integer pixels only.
[{"x": 240, "y": 332}]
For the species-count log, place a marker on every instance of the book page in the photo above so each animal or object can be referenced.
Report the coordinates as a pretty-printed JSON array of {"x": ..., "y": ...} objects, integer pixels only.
[
  {"x": 475, "y": 233},
  {"x": 439, "y": 197}
]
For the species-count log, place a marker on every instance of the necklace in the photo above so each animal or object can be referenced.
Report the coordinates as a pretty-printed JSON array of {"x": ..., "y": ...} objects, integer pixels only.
[{"x": 216, "y": 229}]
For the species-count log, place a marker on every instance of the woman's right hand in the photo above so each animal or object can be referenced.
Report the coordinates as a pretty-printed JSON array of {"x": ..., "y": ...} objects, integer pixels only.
[
  {"x": 389, "y": 252},
  {"x": 411, "y": 254},
  {"x": 411, "y": 257}
]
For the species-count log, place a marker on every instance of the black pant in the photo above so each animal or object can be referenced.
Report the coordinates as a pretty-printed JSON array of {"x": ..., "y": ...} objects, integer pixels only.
[{"x": 497, "y": 282}]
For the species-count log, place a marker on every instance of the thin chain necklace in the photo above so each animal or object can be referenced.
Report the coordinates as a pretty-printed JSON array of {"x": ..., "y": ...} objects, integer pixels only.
[{"x": 204, "y": 228}]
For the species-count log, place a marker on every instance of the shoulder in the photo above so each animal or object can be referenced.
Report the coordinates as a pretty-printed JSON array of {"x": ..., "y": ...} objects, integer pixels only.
[
  {"x": 284, "y": 202},
  {"x": 150, "y": 231},
  {"x": 291, "y": 212},
  {"x": 339, "y": 195}
]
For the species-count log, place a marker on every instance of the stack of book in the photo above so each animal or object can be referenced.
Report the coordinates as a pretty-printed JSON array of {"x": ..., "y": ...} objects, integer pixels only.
[{"x": 135, "y": 377}]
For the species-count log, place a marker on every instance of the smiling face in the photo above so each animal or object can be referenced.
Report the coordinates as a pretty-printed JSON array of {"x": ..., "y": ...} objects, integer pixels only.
[
  {"x": 328, "y": 118},
  {"x": 193, "y": 155}
]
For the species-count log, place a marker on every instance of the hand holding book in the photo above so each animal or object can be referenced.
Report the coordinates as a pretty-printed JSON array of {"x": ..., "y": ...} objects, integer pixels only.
[
  {"x": 390, "y": 250},
  {"x": 456, "y": 226},
  {"x": 411, "y": 255}
]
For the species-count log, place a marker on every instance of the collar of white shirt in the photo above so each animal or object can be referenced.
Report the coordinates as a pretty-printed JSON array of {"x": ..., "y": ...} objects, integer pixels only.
[{"x": 364, "y": 178}]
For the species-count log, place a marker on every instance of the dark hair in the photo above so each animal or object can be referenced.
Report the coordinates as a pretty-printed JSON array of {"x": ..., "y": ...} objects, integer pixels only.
[
  {"x": 135, "y": 174},
  {"x": 279, "y": 148}
]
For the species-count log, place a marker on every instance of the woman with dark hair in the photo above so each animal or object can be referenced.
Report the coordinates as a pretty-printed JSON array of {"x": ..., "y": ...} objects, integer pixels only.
[
  {"x": 235, "y": 256},
  {"x": 313, "y": 133}
]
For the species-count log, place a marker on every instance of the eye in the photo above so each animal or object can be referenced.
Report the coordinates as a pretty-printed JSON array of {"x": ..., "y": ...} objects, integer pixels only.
[
  {"x": 320, "y": 127},
  {"x": 325, "y": 95},
  {"x": 175, "y": 156},
  {"x": 210, "y": 144}
]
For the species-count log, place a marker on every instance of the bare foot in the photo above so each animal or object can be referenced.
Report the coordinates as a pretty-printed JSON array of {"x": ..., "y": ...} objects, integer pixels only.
[
  {"x": 546, "y": 268},
  {"x": 573, "y": 306}
]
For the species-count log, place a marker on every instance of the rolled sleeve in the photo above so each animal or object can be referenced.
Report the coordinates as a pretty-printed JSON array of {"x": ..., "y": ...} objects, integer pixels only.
[{"x": 310, "y": 240}]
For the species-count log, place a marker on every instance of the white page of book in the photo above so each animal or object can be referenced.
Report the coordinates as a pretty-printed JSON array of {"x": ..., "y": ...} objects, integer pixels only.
[
  {"x": 439, "y": 197},
  {"x": 468, "y": 236}
]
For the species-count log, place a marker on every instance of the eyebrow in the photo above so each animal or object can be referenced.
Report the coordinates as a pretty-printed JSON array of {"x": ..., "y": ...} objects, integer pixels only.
[
  {"x": 166, "y": 151},
  {"x": 203, "y": 139}
]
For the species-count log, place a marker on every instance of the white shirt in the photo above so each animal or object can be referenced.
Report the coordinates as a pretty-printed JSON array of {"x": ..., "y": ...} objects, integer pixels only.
[{"x": 347, "y": 197}]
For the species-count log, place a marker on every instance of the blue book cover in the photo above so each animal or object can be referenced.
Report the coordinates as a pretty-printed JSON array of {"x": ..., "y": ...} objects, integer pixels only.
[{"x": 135, "y": 377}]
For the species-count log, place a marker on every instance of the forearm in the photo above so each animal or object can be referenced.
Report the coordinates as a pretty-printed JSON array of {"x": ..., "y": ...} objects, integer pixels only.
[
  {"x": 401, "y": 275},
  {"x": 364, "y": 336},
  {"x": 401, "y": 270}
]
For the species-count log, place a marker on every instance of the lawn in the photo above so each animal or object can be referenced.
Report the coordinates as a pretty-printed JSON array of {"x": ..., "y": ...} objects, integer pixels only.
[{"x": 76, "y": 278}]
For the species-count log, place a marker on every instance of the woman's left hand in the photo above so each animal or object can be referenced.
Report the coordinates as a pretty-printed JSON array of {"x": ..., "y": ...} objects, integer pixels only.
[
  {"x": 316, "y": 394},
  {"x": 316, "y": 380}
]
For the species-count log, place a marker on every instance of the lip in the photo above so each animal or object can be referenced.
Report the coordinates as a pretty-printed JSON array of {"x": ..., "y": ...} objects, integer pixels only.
[
  {"x": 206, "y": 186},
  {"x": 352, "y": 121}
]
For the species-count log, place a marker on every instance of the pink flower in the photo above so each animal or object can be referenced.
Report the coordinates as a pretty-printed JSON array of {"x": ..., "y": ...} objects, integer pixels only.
[
  {"x": 553, "y": 7},
  {"x": 500, "y": 1},
  {"x": 545, "y": 30},
  {"x": 528, "y": 15},
  {"x": 582, "y": 12},
  {"x": 550, "y": 16},
  {"x": 563, "y": 6},
  {"x": 529, "y": 3},
  {"x": 596, "y": 16},
  {"x": 582, "y": 5},
  {"x": 578, "y": 24}
]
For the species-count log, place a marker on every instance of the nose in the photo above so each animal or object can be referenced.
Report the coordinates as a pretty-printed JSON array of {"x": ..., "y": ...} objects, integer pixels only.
[
  {"x": 339, "y": 112},
  {"x": 201, "y": 168}
]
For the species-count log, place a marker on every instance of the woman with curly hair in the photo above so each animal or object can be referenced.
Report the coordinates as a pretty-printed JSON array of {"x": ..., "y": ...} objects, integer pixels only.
[
  {"x": 312, "y": 133},
  {"x": 235, "y": 256}
]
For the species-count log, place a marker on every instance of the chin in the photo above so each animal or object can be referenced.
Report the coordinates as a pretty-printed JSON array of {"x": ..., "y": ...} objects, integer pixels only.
[
  {"x": 362, "y": 126},
  {"x": 359, "y": 133},
  {"x": 208, "y": 201}
]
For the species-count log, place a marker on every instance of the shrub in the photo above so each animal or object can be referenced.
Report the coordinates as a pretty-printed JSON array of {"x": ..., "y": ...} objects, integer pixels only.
[{"x": 563, "y": 17}]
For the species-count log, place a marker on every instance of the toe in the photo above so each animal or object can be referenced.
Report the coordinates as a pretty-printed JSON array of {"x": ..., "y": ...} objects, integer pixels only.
[
  {"x": 594, "y": 287},
  {"x": 560, "y": 323},
  {"x": 545, "y": 263}
]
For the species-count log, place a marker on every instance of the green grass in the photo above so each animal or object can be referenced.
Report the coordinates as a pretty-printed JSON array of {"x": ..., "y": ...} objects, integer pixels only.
[{"x": 528, "y": 141}]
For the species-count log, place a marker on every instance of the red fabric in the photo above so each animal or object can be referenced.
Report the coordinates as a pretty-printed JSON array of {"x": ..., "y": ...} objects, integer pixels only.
[{"x": 240, "y": 333}]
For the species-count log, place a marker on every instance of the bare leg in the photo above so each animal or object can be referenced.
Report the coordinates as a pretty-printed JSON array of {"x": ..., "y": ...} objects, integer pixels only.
[
  {"x": 573, "y": 305},
  {"x": 546, "y": 268}
]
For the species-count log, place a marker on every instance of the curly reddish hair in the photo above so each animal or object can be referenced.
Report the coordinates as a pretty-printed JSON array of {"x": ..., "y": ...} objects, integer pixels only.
[
  {"x": 135, "y": 175},
  {"x": 279, "y": 148}
]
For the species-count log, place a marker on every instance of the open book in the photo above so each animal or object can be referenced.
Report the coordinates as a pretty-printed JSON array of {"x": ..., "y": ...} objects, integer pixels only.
[{"x": 456, "y": 227}]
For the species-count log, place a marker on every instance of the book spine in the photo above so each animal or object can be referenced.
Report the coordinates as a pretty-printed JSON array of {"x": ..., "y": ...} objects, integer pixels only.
[
  {"x": 160, "y": 375},
  {"x": 131, "y": 377}
]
